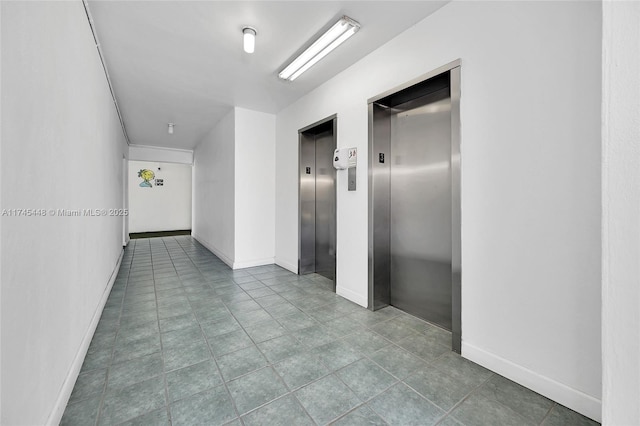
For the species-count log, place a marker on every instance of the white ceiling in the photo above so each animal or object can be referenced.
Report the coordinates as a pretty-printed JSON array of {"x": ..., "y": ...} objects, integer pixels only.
[{"x": 182, "y": 61}]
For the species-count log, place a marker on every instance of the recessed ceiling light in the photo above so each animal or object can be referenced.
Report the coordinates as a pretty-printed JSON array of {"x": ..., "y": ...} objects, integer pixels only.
[
  {"x": 334, "y": 37},
  {"x": 249, "y": 39}
]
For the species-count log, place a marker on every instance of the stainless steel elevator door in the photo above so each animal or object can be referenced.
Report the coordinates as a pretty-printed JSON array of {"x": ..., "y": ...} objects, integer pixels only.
[
  {"x": 317, "y": 201},
  {"x": 420, "y": 208},
  {"x": 325, "y": 206}
]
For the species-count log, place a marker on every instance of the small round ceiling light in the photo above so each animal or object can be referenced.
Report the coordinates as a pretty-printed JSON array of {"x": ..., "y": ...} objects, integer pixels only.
[{"x": 249, "y": 38}]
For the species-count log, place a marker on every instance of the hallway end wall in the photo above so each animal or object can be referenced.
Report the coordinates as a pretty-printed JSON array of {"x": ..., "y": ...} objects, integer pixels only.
[
  {"x": 165, "y": 207},
  {"x": 62, "y": 150},
  {"x": 530, "y": 113}
]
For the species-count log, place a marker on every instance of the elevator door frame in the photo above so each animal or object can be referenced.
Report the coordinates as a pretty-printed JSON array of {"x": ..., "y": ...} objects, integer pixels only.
[
  {"x": 334, "y": 120},
  {"x": 379, "y": 213}
]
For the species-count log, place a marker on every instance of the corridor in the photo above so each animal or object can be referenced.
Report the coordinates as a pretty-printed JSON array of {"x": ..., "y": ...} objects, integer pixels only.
[{"x": 185, "y": 340}]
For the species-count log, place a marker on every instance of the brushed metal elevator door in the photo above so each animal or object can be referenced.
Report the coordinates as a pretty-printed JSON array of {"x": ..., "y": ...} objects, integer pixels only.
[
  {"x": 325, "y": 205},
  {"x": 420, "y": 208},
  {"x": 317, "y": 252}
]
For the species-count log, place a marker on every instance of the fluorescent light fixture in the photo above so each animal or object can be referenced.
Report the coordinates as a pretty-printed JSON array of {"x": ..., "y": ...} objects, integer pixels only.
[
  {"x": 334, "y": 37},
  {"x": 249, "y": 37},
  {"x": 170, "y": 128}
]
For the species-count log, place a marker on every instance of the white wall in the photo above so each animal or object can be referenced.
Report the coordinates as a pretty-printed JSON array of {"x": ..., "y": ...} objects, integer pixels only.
[
  {"x": 156, "y": 153},
  {"x": 160, "y": 208},
  {"x": 530, "y": 181},
  {"x": 62, "y": 148},
  {"x": 254, "y": 188},
  {"x": 213, "y": 190},
  {"x": 621, "y": 210}
]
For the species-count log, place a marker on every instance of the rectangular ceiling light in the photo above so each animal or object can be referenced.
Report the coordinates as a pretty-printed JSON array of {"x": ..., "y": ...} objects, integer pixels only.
[{"x": 334, "y": 37}]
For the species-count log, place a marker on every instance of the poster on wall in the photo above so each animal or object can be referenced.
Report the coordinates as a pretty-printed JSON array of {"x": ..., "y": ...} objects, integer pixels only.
[{"x": 146, "y": 175}]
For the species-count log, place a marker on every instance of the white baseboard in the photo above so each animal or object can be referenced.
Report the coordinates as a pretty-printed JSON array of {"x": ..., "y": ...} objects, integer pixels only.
[
  {"x": 352, "y": 296},
  {"x": 293, "y": 267},
  {"x": 556, "y": 391},
  {"x": 76, "y": 365},
  {"x": 252, "y": 263},
  {"x": 214, "y": 250}
]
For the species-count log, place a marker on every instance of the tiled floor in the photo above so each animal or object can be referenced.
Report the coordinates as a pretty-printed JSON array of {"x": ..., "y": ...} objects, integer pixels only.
[{"x": 185, "y": 340}]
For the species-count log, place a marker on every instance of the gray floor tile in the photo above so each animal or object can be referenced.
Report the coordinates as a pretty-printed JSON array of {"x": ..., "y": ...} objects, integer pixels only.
[
  {"x": 229, "y": 342},
  {"x": 260, "y": 293},
  {"x": 193, "y": 379},
  {"x": 178, "y": 338},
  {"x": 366, "y": 342},
  {"x": 129, "y": 372},
  {"x": 456, "y": 366},
  {"x": 154, "y": 418},
  {"x": 212, "y": 407},
  {"x": 397, "y": 361},
  {"x": 270, "y": 300},
  {"x": 366, "y": 379},
  {"x": 327, "y": 399},
  {"x": 213, "y": 329},
  {"x": 402, "y": 406},
  {"x": 256, "y": 389},
  {"x": 247, "y": 319},
  {"x": 176, "y": 282},
  {"x": 314, "y": 336},
  {"x": 362, "y": 416},
  {"x": 81, "y": 413},
  {"x": 137, "y": 332},
  {"x": 246, "y": 306},
  {"x": 217, "y": 313},
  {"x": 235, "y": 297},
  {"x": 338, "y": 354},
  {"x": 178, "y": 322},
  {"x": 523, "y": 401},
  {"x": 266, "y": 330},
  {"x": 188, "y": 354},
  {"x": 241, "y": 362},
  {"x": 423, "y": 346},
  {"x": 339, "y": 327},
  {"x": 439, "y": 387},
  {"x": 132, "y": 350},
  {"x": 562, "y": 416},
  {"x": 88, "y": 384},
  {"x": 371, "y": 318},
  {"x": 393, "y": 330},
  {"x": 301, "y": 369},
  {"x": 281, "y": 348},
  {"x": 128, "y": 403},
  {"x": 449, "y": 421},
  {"x": 285, "y": 411},
  {"x": 478, "y": 410},
  {"x": 296, "y": 321},
  {"x": 282, "y": 310}
]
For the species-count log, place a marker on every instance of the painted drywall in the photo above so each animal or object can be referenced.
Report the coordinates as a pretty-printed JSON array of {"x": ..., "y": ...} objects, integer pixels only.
[
  {"x": 62, "y": 148},
  {"x": 255, "y": 182},
  {"x": 165, "y": 207},
  {"x": 213, "y": 190},
  {"x": 530, "y": 181},
  {"x": 165, "y": 155},
  {"x": 620, "y": 213}
]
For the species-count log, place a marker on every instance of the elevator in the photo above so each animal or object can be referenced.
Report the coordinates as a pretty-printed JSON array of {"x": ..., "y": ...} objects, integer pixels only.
[
  {"x": 414, "y": 199},
  {"x": 317, "y": 195}
]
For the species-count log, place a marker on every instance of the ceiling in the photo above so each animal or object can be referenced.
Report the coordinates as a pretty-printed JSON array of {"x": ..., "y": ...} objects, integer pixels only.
[{"x": 183, "y": 62}]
